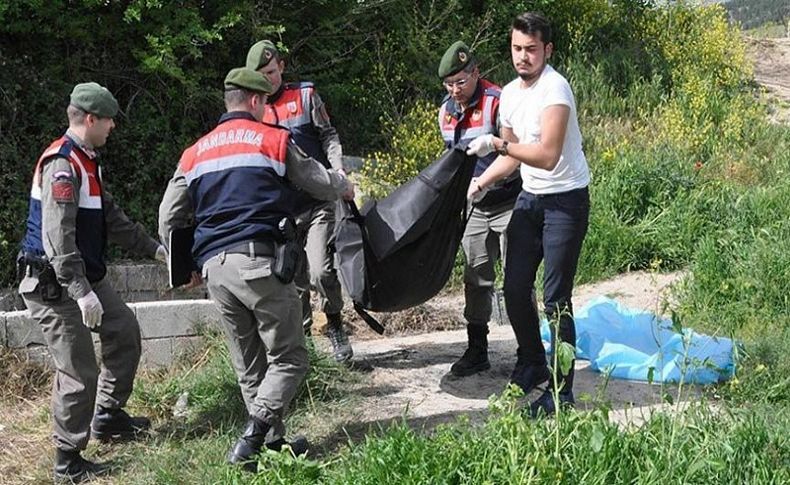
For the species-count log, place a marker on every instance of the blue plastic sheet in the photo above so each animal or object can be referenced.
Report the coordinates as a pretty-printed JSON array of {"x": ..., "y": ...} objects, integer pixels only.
[{"x": 628, "y": 343}]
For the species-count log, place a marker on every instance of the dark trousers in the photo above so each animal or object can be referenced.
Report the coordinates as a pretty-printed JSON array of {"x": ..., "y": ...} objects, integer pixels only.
[{"x": 550, "y": 228}]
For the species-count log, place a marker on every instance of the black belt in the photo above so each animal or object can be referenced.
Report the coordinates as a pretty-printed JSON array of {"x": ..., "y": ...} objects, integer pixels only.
[{"x": 253, "y": 248}]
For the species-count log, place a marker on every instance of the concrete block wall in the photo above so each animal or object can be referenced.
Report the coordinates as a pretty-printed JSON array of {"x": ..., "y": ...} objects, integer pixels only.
[
  {"x": 133, "y": 281},
  {"x": 147, "y": 282},
  {"x": 168, "y": 329}
]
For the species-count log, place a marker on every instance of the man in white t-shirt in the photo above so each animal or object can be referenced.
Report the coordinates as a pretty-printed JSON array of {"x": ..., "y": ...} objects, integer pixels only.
[{"x": 540, "y": 135}]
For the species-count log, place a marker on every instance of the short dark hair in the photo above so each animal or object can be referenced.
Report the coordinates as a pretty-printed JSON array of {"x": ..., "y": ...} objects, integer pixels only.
[
  {"x": 530, "y": 23},
  {"x": 75, "y": 115},
  {"x": 236, "y": 97}
]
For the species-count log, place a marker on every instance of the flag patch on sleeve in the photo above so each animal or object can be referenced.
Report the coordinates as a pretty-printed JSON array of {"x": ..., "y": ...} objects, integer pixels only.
[{"x": 63, "y": 191}]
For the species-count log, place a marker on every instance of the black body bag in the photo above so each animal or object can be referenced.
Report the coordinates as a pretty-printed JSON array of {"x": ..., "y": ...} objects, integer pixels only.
[{"x": 398, "y": 252}]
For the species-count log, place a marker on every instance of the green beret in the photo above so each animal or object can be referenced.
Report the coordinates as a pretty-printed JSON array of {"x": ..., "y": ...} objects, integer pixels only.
[
  {"x": 95, "y": 99},
  {"x": 245, "y": 78},
  {"x": 456, "y": 58},
  {"x": 261, "y": 53}
]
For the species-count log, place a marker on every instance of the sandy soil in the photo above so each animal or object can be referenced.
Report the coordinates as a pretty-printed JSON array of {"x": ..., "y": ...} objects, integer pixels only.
[
  {"x": 772, "y": 71},
  {"x": 409, "y": 378}
]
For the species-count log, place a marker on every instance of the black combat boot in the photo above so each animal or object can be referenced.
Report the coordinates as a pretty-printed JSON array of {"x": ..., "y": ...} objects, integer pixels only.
[
  {"x": 71, "y": 467},
  {"x": 545, "y": 405},
  {"x": 244, "y": 451},
  {"x": 475, "y": 359},
  {"x": 117, "y": 425},
  {"x": 341, "y": 348},
  {"x": 299, "y": 445}
]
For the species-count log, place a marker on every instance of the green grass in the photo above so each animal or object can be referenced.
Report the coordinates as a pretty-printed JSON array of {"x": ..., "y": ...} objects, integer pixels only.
[
  {"x": 192, "y": 448},
  {"x": 731, "y": 448},
  {"x": 695, "y": 446}
]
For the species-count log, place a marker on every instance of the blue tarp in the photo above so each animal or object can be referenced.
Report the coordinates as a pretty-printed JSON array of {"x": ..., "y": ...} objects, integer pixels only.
[{"x": 629, "y": 342}]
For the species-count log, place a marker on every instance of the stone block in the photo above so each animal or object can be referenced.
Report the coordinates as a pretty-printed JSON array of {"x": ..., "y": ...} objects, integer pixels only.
[
  {"x": 22, "y": 331},
  {"x": 11, "y": 301},
  {"x": 175, "y": 318},
  {"x": 352, "y": 164},
  {"x": 139, "y": 296},
  {"x": 116, "y": 276},
  {"x": 146, "y": 277},
  {"x": 156, "y": 353},
  {"x": 40, "y": 354}
]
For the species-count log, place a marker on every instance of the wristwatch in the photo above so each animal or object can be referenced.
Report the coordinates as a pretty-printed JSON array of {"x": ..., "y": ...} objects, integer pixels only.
[{"x": 503, "y": 149}]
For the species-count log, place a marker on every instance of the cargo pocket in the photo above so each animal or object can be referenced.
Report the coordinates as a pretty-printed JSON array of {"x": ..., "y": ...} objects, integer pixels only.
[{"x": 255, "y": 269}]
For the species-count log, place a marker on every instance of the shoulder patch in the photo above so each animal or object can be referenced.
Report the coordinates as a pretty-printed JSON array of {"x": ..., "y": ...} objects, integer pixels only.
[{"x": 63, "y": 191}]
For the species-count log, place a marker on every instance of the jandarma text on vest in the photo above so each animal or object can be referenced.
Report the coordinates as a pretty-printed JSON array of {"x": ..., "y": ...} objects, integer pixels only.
[{"x": 228, "y": 137}]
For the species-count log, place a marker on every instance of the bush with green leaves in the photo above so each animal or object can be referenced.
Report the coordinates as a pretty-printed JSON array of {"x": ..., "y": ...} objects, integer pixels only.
[{"x": 416, "y": 142}]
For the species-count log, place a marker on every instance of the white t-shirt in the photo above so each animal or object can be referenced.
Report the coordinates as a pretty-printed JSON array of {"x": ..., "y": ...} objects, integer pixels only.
[{"x": 521, "y": 108}]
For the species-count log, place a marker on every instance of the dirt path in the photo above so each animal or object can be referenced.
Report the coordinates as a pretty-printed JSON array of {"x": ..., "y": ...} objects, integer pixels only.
[
  {"x": 410, "y": 377},
  {"x": 772, "y": 71}
]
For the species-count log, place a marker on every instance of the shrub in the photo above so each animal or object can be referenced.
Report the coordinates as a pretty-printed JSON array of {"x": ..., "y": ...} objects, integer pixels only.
[{"x": 415, "y": 143}]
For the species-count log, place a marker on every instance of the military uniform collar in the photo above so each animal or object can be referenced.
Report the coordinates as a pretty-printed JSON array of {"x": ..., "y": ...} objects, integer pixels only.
[
  {"x": 86, "y": 147},
  {"x": 276, "y": 95},
  {"x": 236, "y": 115},
  {"x": 455, "y": 110}
]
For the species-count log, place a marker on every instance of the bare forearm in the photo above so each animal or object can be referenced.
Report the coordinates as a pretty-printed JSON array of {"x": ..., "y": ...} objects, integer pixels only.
[
  {"x": 546, "y": 152},
  {"x": 536, "y": 155},
  {"x": 502, "y": 167}
]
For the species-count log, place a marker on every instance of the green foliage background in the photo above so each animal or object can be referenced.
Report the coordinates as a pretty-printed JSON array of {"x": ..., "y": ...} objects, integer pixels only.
[
  {"x": 672, "y": 130},
  {"x": 373, "y": 61},
  {"x": 687, "y": 173}
]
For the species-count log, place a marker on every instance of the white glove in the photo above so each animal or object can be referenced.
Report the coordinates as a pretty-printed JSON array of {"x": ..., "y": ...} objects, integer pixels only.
[
  {"x": 161, "y": 254},
  {"x": 475, "y": 194},
  {"x": 481, "y": 146},
  {"x": 91, "y": 309}
]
